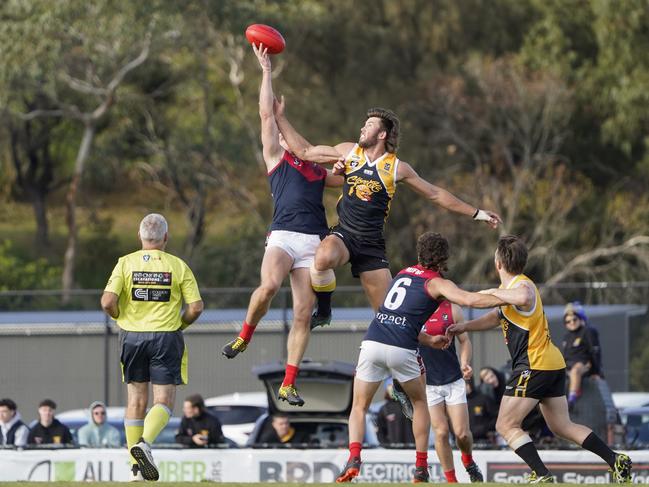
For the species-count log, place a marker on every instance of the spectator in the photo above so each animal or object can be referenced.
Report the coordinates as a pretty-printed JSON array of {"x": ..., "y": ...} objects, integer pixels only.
[
  {"x": 492, "y": 384},
  {"x": 483, "y": 412},
  {"x": 12, "y": 430},
  {"x": 49, "y": 430},
  {"x": 98, "y": 433},
  {"x": 198, "y": 428},
  {"x": 582, "y": 356},
  {"x": 578, "y": 309},
  {"x": 281, "y": 432},
  {"x": 392, "y": 426}
]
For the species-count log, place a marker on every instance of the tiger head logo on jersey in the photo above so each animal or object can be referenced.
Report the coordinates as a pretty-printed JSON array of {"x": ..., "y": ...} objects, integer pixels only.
[{"x": 363, "y": 188}]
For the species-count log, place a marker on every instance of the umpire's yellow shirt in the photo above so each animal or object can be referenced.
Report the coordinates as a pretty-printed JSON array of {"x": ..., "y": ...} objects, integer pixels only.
[{"x": 152, "y": 285}]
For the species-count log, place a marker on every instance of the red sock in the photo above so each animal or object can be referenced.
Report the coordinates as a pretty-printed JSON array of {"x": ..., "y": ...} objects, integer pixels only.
[
  {"x": 290, "y": 375},
  {"x": 247, "y": 331},
  {"x": 467, "y": 459},
  {"x": 450, "y": 477},
  {"x": 422, "y": 459},
  {"x": 354, "y": 449}
]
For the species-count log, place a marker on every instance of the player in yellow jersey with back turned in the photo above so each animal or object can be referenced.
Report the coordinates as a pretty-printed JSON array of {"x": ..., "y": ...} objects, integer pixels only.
[
  {"x": 538, "y": 368},
  {"x": 145, "y": 295}
]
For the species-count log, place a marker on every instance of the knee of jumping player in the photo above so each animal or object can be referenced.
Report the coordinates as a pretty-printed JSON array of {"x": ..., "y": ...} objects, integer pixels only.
[
  {"x": 267, "y": 290},
  {"x": 322, "y": 280},
  {"x": 441, "y": 432},
  {"x": 504, "y": 426}
]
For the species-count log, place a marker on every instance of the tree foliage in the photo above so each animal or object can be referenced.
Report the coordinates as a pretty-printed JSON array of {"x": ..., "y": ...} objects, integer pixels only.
[{"x": 536, "y": 109}]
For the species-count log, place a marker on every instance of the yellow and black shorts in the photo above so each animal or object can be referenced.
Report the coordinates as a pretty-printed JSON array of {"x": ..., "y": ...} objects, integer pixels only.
[
  {"x": 158, "y": 357},
  {"x": 537, "y": 384}
]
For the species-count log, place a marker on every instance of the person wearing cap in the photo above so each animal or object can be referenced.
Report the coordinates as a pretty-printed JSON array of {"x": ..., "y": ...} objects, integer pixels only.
[
  {"x": 98, "y": 433},
  {"x": 579, "y": 349},
  {"x": 49, "y": 430}
]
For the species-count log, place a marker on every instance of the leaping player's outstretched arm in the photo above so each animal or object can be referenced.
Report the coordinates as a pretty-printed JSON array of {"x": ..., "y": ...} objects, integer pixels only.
[
  {"x": 442, "y": 197},
  {"x": 444, "y": 288},
  {"x": 272, "y": 151},
  {"x": 321, "y": 154}
]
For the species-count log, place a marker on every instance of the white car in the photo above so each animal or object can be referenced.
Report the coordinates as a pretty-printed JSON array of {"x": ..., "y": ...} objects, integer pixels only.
[
  {"x": 630, "y": 399},
  {"x": 238, "y": 413}
]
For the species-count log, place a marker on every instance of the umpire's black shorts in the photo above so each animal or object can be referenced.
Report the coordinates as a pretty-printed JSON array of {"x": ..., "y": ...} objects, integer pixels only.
[
  {"x": 159, "y": 357},
  {"x": 537, "y": 384}
]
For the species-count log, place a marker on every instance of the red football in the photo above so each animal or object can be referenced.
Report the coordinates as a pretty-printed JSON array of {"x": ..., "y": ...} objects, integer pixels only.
[
  {"x": 266, "y": 35},
  {"x": 436, "y": 326}
]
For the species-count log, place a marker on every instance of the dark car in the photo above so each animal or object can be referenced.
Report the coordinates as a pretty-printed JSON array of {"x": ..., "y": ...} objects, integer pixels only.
[
  {"x": 636, "y": 423},
  {"x": 322, "y": 422}
]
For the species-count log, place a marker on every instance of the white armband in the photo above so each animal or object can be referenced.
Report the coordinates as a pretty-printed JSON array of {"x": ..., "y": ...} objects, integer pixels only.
[{"x": 481, "y": 215}]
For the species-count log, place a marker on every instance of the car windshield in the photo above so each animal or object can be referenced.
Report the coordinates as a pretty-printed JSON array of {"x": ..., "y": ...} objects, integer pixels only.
[{"x": 229, "y": 414}]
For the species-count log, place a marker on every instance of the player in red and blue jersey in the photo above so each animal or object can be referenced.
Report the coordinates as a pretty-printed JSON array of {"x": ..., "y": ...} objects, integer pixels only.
[
  {"x": 298, "y": 224},
  {"x": 446, "y": 390},
  {"x": 389, "y": 347}
]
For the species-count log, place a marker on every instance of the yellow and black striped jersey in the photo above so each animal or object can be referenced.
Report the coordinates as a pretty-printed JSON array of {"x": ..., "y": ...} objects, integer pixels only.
[
  {"x": 152, "y": 285},
  {"x": 527, "y": 335},
  {"x": 367, "y": 192}
]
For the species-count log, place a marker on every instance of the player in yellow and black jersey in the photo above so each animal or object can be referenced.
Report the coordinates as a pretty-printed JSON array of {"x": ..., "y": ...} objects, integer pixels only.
[
  {"x": 145, "y": 295},
  {"x": 538, "y": 368},
  {"x": 372, "y": 171}
]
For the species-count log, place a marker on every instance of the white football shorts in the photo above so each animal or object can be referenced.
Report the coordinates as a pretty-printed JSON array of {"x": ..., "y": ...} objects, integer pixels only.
[
  {"x": 452, "y": 393},
  {"x": 300, "y": 246},
  {"x": 378, "y": 361}
]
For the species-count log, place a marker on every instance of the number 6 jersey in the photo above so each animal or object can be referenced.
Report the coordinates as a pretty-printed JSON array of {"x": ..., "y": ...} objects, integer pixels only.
[{"x": 405, "y": 309}]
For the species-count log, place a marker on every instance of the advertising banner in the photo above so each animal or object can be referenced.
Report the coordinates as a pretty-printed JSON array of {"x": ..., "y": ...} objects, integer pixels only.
[{"x": 303, "y": 466}]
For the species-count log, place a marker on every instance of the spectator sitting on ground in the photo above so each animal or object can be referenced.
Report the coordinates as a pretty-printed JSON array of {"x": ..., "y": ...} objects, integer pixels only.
[
  {"x": 198, "y": 428},
  {"x": 483, "y": 413},
  {"x": 98, "y": 433},
  {"x": 49, "y": 430},
  {"x": 492, "y": 384},
  {"x": 579, "y": 351},
  {"x": 281, "y": 432},
  {"x": 392, "y": 426},
  {"x": 12, "y": 430}
]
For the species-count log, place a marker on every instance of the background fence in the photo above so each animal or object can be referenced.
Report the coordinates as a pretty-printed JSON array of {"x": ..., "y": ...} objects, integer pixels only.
[{"x": 72, "y": 356}]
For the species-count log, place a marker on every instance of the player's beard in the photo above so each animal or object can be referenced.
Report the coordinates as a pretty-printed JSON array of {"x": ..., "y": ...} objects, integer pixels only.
[{"x": 369, "y": 141}]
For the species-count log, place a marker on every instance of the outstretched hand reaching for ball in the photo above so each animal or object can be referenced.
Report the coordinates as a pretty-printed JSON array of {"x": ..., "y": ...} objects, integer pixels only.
[{"x": 262, "y": 56}]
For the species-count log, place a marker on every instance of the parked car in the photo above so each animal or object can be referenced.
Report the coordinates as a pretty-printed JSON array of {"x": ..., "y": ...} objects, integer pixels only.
[
  {"x": 630, "y": 399},
  {"x": 322, "y": 422},
  {"x": 238, "y": 413},
  {"x": 636, "y": 423},
  {"x": 76, "y": 418}
]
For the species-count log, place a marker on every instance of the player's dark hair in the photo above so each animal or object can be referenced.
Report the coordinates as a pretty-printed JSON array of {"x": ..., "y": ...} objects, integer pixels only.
[
  {"x": 390, "y": 123},
  {"x": 9, "y": 404},
  {"x": 47, "y": 402},
  {"x": 512, "y": 253},
  {"x": 197, "y": 401},
  {"x": 432, "y": 251}
]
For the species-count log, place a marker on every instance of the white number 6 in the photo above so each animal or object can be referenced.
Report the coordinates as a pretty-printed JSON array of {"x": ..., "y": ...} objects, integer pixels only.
[{"x": 397, "y": 294}]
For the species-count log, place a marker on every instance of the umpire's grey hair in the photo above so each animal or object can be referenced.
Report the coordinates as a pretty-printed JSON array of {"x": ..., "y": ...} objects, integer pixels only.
[{"x": 153, "y": 228}]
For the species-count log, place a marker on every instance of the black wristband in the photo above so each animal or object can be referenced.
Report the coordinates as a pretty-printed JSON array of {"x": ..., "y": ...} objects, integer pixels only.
[{"x": 477, "y": 210}]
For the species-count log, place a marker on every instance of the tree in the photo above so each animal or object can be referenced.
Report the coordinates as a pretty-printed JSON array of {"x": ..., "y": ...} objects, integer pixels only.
[{"x": 83, "y": 54}]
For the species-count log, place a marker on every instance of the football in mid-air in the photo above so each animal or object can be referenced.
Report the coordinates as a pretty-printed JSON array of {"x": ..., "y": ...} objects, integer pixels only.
[{"x": 264, "y": 34}]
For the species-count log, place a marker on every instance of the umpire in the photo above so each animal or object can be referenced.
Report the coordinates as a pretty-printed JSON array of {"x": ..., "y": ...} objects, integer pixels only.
[{"x": 145, "y": 294}]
